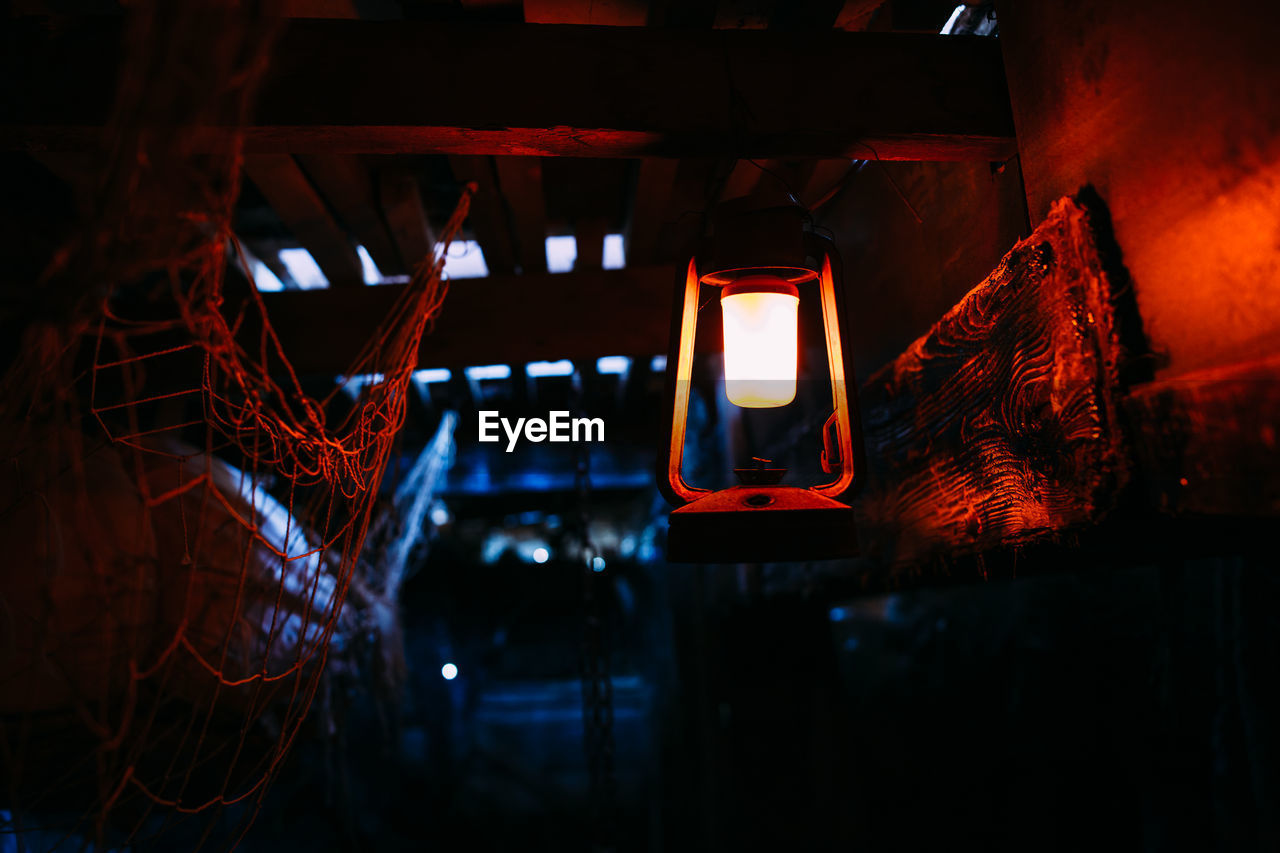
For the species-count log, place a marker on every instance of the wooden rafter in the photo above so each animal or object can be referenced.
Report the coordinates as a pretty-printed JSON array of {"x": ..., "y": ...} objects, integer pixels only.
[
  {"x": 488, "y": 218},
  {"x": 854, "y": 15},
  {"x": 802, "y": 15},
  {"x": 654, "y": 183},
  {"x": 650, "y": 92},
  {"x": 589, "y": 234},
  {"x": 520, "y": 179},
  {"x": 684, "y": 14},
  {"x": 744, "y": 178},
  {"x": 501, "y": 319},
  {"x": 347, "y": 185},
  {"x": 304, "y": 213},
  {"x": 268, "y": 252},
  {"x": 744, "y": 14},
  {"x": 609, "y": 13},
  {"x": 823, "y": 181},
  {"x": 406, "y": 216},
  {"x": 693, "y": 195}
]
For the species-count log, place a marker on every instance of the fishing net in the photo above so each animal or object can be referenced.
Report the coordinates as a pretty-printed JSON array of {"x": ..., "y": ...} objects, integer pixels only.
[{"x": 184, "y": 521}]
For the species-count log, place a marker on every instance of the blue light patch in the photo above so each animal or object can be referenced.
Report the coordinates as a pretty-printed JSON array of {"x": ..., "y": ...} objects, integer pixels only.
[
  {"x": 303, "y": 269},
  {"x": 615, "y": 364},
  {"x": 537, "y": 369}
]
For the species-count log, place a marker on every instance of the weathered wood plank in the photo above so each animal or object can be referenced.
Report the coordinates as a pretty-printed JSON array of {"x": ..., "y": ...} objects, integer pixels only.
[
  {"x": 1207, "y": 442},
  {"x": 650, "y": 92},
  {"x": 501, "y": 319},
  {"x": 304, "y": 213},
  {"x": 999, "y": 426}
]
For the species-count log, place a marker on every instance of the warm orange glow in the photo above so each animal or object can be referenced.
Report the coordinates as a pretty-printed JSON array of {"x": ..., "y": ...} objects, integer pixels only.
[{"x": 760, "y": 341}]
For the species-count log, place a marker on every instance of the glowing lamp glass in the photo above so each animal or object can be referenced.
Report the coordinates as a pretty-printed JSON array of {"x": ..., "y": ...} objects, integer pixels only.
[{"x": 760, "y": 341}]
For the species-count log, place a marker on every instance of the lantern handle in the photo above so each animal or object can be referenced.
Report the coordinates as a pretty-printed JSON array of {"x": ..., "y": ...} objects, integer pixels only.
[
  {"x": 844, "y": 387},
  {"x": 831, "y": 461},
  {"x": 684, "y": 329}
]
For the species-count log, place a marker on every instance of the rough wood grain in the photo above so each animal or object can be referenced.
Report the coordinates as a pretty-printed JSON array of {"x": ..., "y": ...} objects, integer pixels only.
[
  {"x": 563, "y": 90},
  {"x": 999, "y": 426}
]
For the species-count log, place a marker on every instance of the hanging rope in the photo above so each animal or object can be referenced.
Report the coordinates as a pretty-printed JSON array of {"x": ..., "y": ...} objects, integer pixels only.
[{"x": 187, "y": 520}]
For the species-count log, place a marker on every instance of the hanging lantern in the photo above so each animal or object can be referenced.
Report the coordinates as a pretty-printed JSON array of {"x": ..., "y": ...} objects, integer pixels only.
[{"x": 763, "y": 261}]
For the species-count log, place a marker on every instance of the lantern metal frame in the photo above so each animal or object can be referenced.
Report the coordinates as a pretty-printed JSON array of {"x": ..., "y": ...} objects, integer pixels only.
[{"x": 761, "y": 520}]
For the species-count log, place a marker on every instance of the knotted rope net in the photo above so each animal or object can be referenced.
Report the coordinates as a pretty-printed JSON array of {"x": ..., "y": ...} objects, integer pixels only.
[{"x": 185, "y": 521}]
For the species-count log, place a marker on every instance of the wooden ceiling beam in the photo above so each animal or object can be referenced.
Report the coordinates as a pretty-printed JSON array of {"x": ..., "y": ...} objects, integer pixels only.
[
  {"x": 488, "y": 219},
  {"x": 694, "y": 193},
  {"x": 650, "y": 92},
  {"x": 654, "y": 183},
  {"x": 520, "y": 179},
  {"x": 855, "y": 15},
  {"x": 269, "y": 253},
  {"x": 823, "y": 181},
  {"x": 744, "y": 178},
  {"x": 303, "y": 212},
  {"x": 348, "y": 186},
  {"x": 589, "y": 235},
  {"x": 743, "y": 14},
  {"x": 683, "y": 14},
  {"x": 609, "y": 13},
  {"x": 508, "y": 319},
  {"x": 806, "y": 15},
  {"x": 406, "y": 216}
]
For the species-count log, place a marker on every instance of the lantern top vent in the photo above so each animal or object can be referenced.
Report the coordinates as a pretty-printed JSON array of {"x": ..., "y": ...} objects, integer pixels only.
[{"x": 757, "y": 235}]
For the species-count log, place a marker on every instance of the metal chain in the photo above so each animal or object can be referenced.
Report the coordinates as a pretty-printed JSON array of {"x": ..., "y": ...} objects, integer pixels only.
[{"x": 597, "y": 686}]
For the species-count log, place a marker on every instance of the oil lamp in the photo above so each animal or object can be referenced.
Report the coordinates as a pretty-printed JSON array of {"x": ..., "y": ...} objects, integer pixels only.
[{"x": 762, "y": 259}]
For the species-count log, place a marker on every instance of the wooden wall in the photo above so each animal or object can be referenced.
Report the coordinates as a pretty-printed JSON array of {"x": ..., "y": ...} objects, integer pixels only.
[
  {"x": 1170, "y": 110},
  {"x": 915, "y": 238}
]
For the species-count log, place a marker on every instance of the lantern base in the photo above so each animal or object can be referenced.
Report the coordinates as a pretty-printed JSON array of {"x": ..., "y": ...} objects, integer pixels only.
[{"x": 761, "y": 524}]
